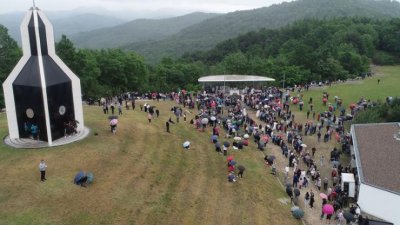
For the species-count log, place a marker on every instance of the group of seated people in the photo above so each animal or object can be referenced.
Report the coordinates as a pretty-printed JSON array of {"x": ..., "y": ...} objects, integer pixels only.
[{"x": 32, "y": 130}]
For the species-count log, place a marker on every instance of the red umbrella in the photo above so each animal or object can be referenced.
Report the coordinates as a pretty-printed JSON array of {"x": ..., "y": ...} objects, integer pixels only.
[
  {"x": 328, "y": 209},
  {"x": 265, "y": 138},
  {"x": 229, "y": 158},
  {"x": 323, "y": 196},
  {"x": 281, "y": 135}
]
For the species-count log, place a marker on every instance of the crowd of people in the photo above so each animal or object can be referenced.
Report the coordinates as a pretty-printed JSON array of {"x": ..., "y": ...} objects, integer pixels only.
[{"x": 274, "y": 121}]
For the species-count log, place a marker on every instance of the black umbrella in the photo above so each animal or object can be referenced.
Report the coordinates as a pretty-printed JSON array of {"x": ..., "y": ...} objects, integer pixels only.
[
  {"x": 270, "y": 159},
  {"x": 289, "y": 191},
  {"x": 348, "y": 216},
  {"x": 226, "y": 144},
  {"x": 113, "y": 117},
  {"x": 296, "y": 192},
  {"x": 298, "y": 213}
]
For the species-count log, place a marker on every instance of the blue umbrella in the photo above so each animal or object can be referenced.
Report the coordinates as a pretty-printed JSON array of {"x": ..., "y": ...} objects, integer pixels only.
[
  {"x": 298, "y": 214},
  {"x": 79, "y": 176},
  {"x": 232, "y": 162},
  {"x": 90, "y": 177},
  {"x": 214, "y": 137}
]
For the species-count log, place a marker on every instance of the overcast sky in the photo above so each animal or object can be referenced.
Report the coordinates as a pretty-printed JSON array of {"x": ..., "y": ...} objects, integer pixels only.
[{"x": 187, "y": 5}]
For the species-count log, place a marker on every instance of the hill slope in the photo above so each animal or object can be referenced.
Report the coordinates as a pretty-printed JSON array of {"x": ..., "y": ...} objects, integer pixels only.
[
  {"x": 137, "y": 30},
  {"x": 207, "y": 34},
  {"x": 62, "y": 25}
]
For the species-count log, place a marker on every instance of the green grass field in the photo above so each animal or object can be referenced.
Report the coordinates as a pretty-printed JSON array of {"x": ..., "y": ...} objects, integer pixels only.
[
  {"x": 143, "y": 175},
  {"x": 352, "y": 91}
]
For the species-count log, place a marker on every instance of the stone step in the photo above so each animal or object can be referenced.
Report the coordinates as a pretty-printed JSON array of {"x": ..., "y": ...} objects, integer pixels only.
[{"x": 26, "y": 143}]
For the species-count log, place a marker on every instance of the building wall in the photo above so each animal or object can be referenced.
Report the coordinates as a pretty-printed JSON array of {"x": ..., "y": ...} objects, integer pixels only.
[{"x": 379, "y": 203}]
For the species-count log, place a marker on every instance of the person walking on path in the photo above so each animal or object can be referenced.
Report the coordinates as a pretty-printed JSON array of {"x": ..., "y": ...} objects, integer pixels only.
[
  {"x": 313, "y": 151},
  {"x": 241, "y": 169},
  {"x": 295, "y": 180},
  {"x": 312, "y": 200},
  {"x": 306, "y": 199},
  {"x": 167, "y": 126},
  {"x": 42, "y": 169}
]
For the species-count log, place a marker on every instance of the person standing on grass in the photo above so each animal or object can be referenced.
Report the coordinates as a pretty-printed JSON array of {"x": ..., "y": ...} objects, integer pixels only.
[
  {"x": 241, "y": 169},
  {"x": 149, "y": 117},
  {"x": 42, "y": 169},
  {"x": 321, "y": 160},
  {"x": 119, "y": 109},
  {"x": 157, "y": 113},
  {"x": 167, "y": 126},
  {"x": 112, "y": 108}
]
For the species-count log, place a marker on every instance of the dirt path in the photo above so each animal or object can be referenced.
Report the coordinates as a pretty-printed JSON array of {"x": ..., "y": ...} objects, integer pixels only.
[{"x": 312, "y": 215}]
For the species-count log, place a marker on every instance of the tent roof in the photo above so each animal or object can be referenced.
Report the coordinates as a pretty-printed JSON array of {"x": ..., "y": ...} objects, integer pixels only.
[{"x": 234, "y": 78}]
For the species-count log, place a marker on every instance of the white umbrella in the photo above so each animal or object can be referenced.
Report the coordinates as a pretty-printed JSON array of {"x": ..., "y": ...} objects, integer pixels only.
[
  {"x": 204, "y": 120},
  {"x": 237, "y": 138},
  {"x": 113, "y": 122},
  {"x": 246, "y": 136},
  {"x": 304, "y": 145},
  {"x": 186, "y": 144},
  {"x": 213, "y": 118}
]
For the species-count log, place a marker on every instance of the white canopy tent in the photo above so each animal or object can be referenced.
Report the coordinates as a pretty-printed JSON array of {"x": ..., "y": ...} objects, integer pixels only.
[{"x": 234, "y": 78}]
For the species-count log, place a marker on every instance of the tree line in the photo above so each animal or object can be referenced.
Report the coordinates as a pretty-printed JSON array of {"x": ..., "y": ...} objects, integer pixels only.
[{"x": 307, "y": 50}]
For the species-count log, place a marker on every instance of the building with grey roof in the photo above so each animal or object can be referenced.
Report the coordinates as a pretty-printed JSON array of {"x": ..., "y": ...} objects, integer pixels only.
[{"x": 377, "y": 154}]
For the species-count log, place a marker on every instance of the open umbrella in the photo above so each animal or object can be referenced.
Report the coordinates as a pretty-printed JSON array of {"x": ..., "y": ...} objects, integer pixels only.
[
  {"x": 186, "y": 144},
  {"x": 265, "y": 138},
  {"x": 304, "y": 145},
  {"x": 204, "y": 121},
  {"x": 226, "y": 144},
  {"x": 229, "y": 158},
  {"x": 232, "y": 162},
  {"x": 294, "y": 208},
  {"x": 270, "y": 158},
  {"x": 348, "y": 216},
  {"x": 246, "y": 136},
  {"x": 90, "y": 177},
  {"x": 296, "y": 192},
  {"x": 79, "y": 176},
  {"x": 328, "y": 209},
  {"x": 323, "y": 196},
  {"x": 289, "y": 190},
  {"x": 214, "y": 137},
  {"x": 335, "y": 163},
  {"x": 298, "y": 214},
  {"x": 237, "y": 138},
  {"x": 114, "y": 122},
  {"x": 213, "y": 118},
  {"x": 113, "y": 117}
]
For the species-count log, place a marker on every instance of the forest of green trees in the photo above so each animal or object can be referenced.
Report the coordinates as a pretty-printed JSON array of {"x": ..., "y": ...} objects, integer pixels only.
[{"x": 307, "y": 50}]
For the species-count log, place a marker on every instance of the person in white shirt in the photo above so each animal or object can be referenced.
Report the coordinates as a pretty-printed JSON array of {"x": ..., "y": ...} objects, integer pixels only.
[{"x": 42, "y": 169}]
